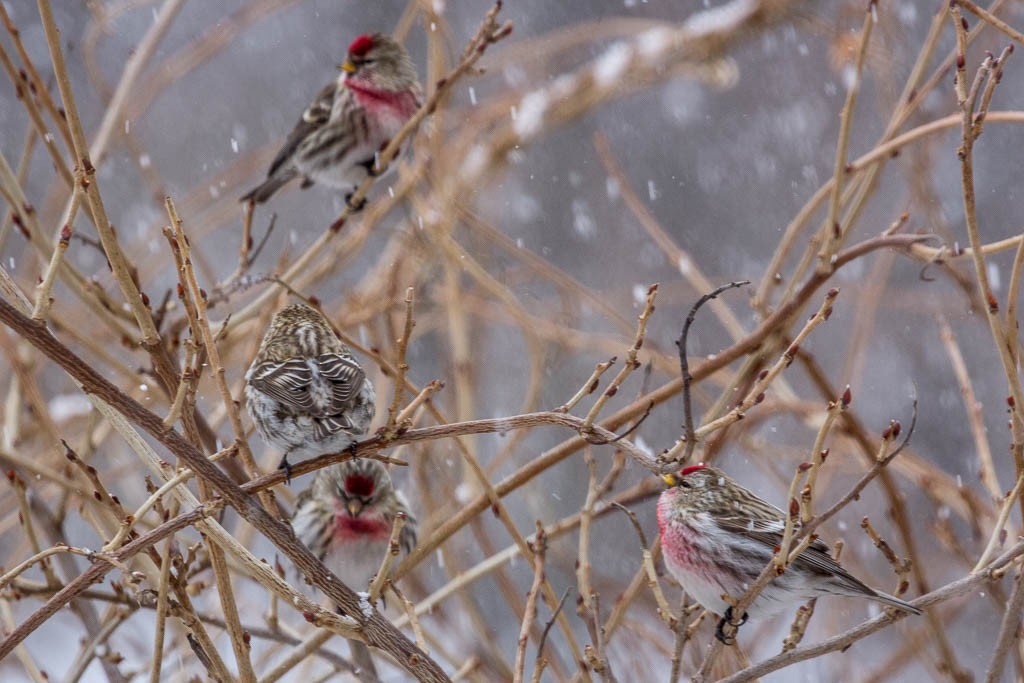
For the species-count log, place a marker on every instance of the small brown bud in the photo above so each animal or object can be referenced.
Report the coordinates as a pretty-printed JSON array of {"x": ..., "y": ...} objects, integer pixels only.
[{"x": 791, "y": 354}]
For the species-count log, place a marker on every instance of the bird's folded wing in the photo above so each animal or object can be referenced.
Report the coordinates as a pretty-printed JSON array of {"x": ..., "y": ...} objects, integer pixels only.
[
  {"x": 287, "y": 382},
  {"x": 315, "y": 116},
  {"x": 768, "y": 533},
  {"x": 346, "y": 378}
]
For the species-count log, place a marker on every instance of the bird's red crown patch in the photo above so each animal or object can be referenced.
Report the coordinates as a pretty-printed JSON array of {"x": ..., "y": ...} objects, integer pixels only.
[
  {"x": 692, "y": 468},
  {"x": 361, "y": 45},
  {"x": 358, "y": 485}
]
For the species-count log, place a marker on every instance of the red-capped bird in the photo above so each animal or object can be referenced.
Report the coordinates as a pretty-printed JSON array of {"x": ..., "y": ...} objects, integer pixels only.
[
  {"x": 345, "y": 518},
  {"x": 717, "y": 537},
  {"x": 352, "y": 119}
]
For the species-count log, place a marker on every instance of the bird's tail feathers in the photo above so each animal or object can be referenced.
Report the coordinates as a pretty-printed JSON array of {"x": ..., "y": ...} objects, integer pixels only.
[
  {"x": 268, "y": 187},
  {"x": 895, "y": 602}
]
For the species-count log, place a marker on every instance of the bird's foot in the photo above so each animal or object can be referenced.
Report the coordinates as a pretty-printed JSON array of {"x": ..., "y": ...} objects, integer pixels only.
[
  {"x": 353, "y": 206},
  {"x": 727, "y": 618},
  {"x": 370, "y": 165},
  {"x": 286, "y": 466}
]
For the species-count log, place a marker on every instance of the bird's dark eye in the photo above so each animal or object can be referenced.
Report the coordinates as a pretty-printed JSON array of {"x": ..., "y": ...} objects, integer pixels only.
[{"x": 685, "y": 484}]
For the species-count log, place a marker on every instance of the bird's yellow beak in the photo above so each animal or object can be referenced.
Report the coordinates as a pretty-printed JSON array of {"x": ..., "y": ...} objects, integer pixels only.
[
  {"x": 669, "y": 479},
  {"x": 355, "y": 506},
  {"x": 348, "y": 67}
]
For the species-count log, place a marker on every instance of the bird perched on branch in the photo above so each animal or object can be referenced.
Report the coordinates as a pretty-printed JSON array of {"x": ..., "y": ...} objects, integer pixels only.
[
  {"x": 345, "y": 518},
  {"x": 717, "y": 537},
  {"x": 305, "y": 391},
  {"x": 351, "y": 119}
]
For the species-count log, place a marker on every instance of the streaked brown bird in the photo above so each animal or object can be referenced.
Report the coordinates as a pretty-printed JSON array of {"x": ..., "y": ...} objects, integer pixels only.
[
  {"x": 717, "y": 537},
  {"x": 345, "y": 518},
  {"x": 305, "y": 391},
  {"x": 350, "y": 120}
]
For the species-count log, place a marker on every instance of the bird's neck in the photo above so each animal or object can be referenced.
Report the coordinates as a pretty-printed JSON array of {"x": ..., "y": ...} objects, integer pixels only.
[
  {"x": 370, "y": 96},
  {"x": 366, "y": 525}
]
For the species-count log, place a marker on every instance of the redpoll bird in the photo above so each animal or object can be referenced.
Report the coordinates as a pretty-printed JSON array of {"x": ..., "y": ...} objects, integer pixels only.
[
  {"x": 350, "y": 121},
  {"x": 305, "y": 390},
  {"x": 717, "y": 537},
  {"x": 345, "y": 518}
]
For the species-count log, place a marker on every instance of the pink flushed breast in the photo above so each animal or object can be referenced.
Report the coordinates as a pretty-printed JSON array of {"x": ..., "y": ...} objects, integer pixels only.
[
  {"x": 402, "y": 103},
  {"x": 676, "y": 546},
  {"x": 676, "y": 541},
  {"x": 346, "y": 527},
  {"x": 664, "y": 510}
]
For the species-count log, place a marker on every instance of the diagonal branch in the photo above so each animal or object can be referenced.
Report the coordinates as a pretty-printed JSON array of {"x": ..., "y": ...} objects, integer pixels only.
[{"x": 376, "y": 630}]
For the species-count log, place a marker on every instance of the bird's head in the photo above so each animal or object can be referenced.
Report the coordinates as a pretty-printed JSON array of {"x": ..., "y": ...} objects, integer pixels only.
[
  {"x": 378, "y": 61},
  {"x": 359, "y": 485},
  {"x": 697, "y": 488}
]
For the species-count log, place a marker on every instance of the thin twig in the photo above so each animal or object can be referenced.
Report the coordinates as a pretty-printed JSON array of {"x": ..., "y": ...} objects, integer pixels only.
[
  {"x": 996, "y": 22},
  {"x": 833, "y": 231},
  {"x": 391, "y": 426},
  {"x": 589, "y": 387},
  {"x": 629, "y": 365},
  {"x": 394, "y": 547},
  {"x": 1008, "y": 630},
  {"x": 689, "y": 436},
  {"x": 539, "y": 551}
]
